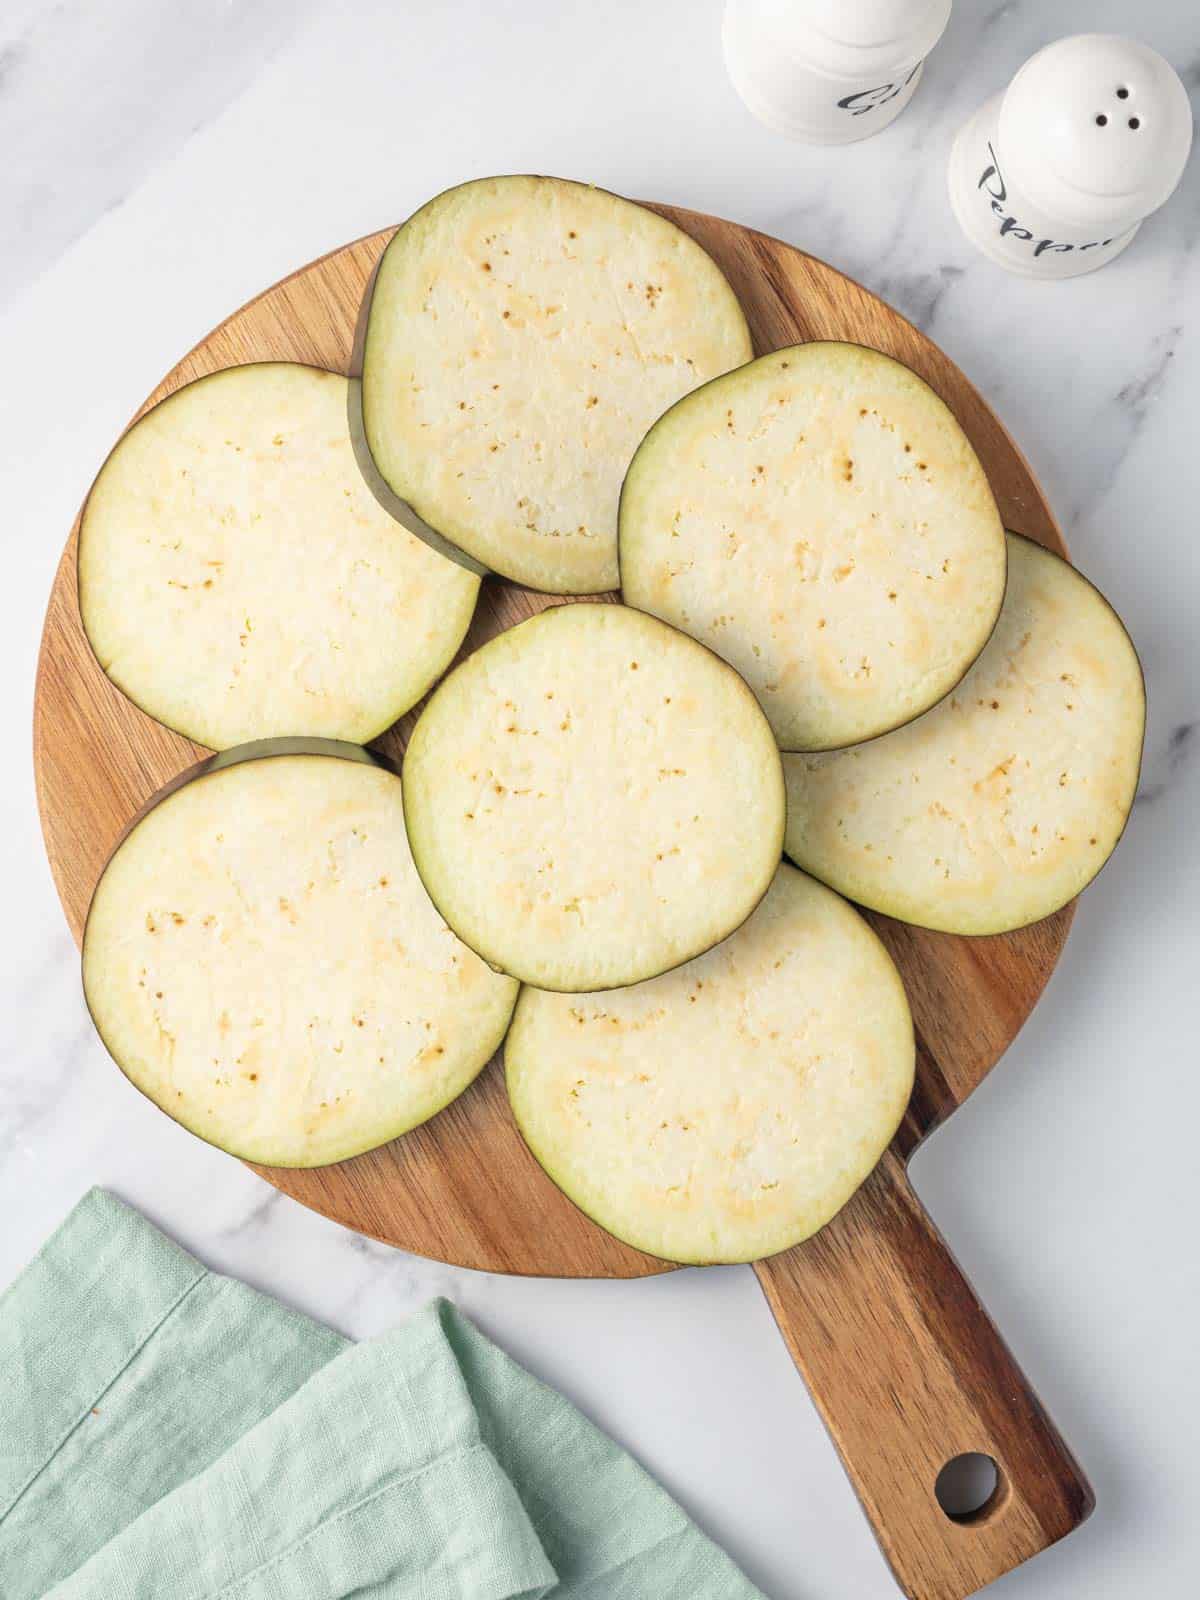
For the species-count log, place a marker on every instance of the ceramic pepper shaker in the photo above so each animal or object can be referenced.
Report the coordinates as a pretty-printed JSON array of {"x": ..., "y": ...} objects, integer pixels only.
[
  {"x": 829, "y": 71},
  {"x": 1053, "y": 177}
]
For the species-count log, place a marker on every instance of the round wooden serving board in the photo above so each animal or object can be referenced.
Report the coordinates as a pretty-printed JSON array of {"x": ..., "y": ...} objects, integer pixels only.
[{"x": 902, "y": 1360}]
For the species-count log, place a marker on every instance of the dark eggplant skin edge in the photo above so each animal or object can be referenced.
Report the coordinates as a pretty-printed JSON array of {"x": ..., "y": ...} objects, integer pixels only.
[
  {"x": 645, "y": 977},
  {"x": 992, "y": 933},
  {"x": 850, "y": 344},
  {"x": 255, "y": 750}
]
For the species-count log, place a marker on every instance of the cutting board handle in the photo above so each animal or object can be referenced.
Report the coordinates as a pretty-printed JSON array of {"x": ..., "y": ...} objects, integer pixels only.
[{"x": 908, "y": 1372}]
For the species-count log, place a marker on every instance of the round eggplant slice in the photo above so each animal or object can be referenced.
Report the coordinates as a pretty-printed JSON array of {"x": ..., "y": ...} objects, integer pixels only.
[
  {"x": 820, "y": 520},
  {"x": 261, "y": 960},
  {"x": 524, "y": 333},
  {"x": 593, "y": 798},
  {"x": 1003, "y": 802},
  {"x": 239, "y": 580},
  {"x": 729, "y": 1109}
]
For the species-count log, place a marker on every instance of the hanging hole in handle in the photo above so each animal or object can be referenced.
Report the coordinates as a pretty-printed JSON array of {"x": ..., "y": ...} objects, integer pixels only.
[{"x": 968, "y": 1487}]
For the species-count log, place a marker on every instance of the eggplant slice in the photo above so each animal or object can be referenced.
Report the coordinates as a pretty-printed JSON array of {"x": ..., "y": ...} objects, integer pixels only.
[
  {"x": 239, "y": 580},
  {"x": 820, "y": 520},
  {"x": 261, "y": 960},
  {"x": 1003, "y": 802},
  {"x": 729, "y": 1109},
  {"x": 524, "y": 333},
  {"x": 593, "y": 798}
]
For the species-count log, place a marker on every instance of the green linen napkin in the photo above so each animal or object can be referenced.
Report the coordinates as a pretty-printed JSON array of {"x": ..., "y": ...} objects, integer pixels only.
[{"x": 168, "y": 1432}]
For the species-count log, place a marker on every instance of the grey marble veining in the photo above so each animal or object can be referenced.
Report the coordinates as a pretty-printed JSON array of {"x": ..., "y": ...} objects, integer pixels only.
[
  {"x": 93, "y": 97},
  {"x": 163, "y": 163}
]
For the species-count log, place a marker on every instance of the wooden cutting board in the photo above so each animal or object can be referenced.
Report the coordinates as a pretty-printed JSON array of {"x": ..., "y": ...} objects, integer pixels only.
[{"x": 902, "y": 1360}]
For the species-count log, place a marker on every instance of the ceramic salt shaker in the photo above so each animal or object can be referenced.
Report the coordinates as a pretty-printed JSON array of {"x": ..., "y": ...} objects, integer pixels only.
[
  {"x": 829, "y": 71},
  {"x": 1053, "y": 177}
]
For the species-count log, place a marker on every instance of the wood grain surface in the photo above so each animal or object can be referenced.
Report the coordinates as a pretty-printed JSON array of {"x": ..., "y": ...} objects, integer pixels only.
[{"x": 904, "y": 1364}]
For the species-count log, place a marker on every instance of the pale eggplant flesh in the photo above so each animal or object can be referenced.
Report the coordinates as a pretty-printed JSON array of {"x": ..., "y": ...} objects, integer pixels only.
[
  {"x": 523, "y": 334},
  {"x": 1002, "y": 803},
  {"x": 593, "y": 798},
  {"x": 239, "y": 579},
  {"x": 820, "y": 519},
  {"x": 262, "y": 961},
  {"x": 729, "y": 1109}
]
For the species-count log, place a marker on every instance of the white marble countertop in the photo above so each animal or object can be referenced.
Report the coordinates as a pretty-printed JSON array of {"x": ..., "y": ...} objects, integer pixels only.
[{"x": 162, "y": 164}]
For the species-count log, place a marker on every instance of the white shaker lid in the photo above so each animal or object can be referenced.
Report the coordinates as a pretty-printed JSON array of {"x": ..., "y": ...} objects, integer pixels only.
[
  {"x": 1095, "y": 131},
  {"x": 853, "y": 39}
]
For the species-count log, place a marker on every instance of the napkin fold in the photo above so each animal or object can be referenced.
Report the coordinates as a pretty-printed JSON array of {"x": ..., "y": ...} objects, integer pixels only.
[{"x": 165, "y": 1431}]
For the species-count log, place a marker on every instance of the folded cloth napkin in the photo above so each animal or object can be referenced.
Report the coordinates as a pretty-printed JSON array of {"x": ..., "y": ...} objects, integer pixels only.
[{"x": 166, "y": 1432}]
